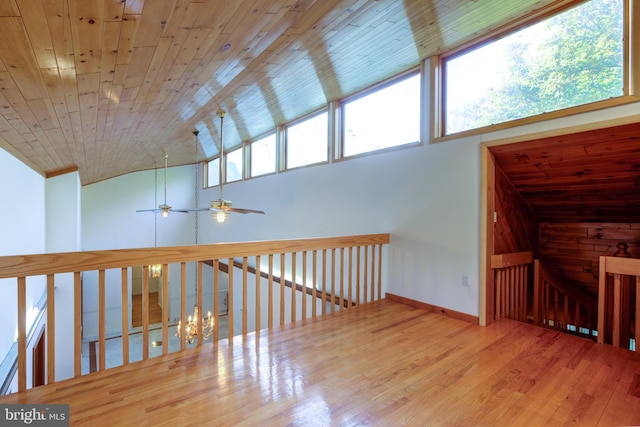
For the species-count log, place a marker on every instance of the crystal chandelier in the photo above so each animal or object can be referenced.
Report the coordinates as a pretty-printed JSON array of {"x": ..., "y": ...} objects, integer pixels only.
[{"x": 190, "y": 330}]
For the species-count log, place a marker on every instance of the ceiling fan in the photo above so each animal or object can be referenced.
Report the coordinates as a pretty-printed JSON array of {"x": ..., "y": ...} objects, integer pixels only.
[
  {"x": 164, "y": 208},
  {"x": 221, "y": 207}
]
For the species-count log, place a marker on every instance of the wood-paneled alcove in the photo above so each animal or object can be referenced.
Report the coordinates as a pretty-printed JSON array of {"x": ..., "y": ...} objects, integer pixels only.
[{"x": 567, "y": 198}]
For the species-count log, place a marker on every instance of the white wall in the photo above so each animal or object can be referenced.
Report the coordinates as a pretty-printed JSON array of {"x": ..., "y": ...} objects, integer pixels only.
[
  {"x": 63, "y": 235},
  {"x": 427, "y": 197},
  {"x": 22, "y": 227}
]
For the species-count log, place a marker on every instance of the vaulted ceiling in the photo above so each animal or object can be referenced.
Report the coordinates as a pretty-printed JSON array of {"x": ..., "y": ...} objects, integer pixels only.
[{"x": 108, "y": 86}]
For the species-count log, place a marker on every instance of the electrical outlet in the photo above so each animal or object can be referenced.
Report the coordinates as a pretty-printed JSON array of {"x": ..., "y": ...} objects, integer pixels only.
[{"x": 465, "y": 280}]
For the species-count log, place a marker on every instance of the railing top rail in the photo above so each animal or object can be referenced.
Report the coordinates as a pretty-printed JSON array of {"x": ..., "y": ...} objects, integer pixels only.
[
  {"x": 628, "y": 266},
  {"x": 54, "y": 263},
  {"x": 511, "y": 259}
]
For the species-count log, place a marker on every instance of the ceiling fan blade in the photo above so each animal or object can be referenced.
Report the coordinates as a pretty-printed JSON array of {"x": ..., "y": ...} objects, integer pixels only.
[
  {"x": 243, "y": 211},
  {"x": 149, "y": 210}
]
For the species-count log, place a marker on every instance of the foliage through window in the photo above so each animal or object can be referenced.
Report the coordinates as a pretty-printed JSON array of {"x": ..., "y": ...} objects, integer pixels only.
[
  {"x": 263, "y": 155},
  {"x": 387, "y": 117},
  {"x": 570, "y": 59},
  {"x": 307, "y": 141}
]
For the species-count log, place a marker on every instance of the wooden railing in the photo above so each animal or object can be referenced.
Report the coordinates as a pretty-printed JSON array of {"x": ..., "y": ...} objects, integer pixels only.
[
  {"x": 341, "y": 271},
  {"x": 559, "y": 306},
  {"x": 618, "y": 314},
  {"x": 511, "y": 278}
]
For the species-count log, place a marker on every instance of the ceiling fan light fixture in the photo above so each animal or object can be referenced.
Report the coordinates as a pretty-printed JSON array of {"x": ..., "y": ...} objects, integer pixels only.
[{"x": 220, "y": 216}]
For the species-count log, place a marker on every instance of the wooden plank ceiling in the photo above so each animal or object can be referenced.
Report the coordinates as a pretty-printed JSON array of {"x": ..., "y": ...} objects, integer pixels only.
[
  {"x": 107, "y": 86},
  {"x": 591, "y": 176}
]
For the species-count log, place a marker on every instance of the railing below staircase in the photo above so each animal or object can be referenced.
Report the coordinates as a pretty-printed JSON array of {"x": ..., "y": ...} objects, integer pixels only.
[
  {"x": 561, "y": 307},
  {"x": 526, "y": 291}
]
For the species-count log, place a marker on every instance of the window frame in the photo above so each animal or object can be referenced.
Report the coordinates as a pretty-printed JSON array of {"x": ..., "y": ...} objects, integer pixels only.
[
  {"x": 285, "y": 139},
  {"x": 249, "y": 155},
  {"x": 340, "y": 131},
  {"x": 436, "y": 68}
]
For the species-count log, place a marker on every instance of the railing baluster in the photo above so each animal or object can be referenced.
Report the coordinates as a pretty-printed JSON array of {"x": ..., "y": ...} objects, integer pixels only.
[
  {"x": 102, "y": 320},
  {"x": 245, "y": 308},
  {"x": 324, "y": 281},
  {"x": 282, "y": 285},
  {"x": 304, "y": 284},
  {"x": 124, "y": 298},
  {"x": 498, "y": 284},
  {"x": 333, "y": 280},
  {"x": 616, "y": 309},
  {"x": 51, "y": 329},
  {"x": 22, "y": 333},
  {"x": 350, "y": 279},
  {"x": 257, "y": 294},
  {"x": 77, "y": 323},
  {"x": 165, "y": 308},
  {"x": 145, "y": 312},
  {"x": 637, "y": 318},
  {"x": 379, "y": 271},
  {"x": 230, "y": 298},
  {"x": 216, "y": 300},
  {"x": 314, "y": 291},
  {"x": 342, "y": 278},
  {"x": 270, "y": 321},
  {"x": 183, "y": 302},
  {"x": 358, "y": 274},
  {"x": 365, "y": 284},
  {"x": 373, "y": 266},
  {"x": 294, "y": 287},
  {"x": 199, "y": 291}
]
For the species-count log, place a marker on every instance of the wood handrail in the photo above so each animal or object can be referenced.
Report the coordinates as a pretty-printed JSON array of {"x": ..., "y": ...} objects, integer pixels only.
[{"x": 55, "y": 263}]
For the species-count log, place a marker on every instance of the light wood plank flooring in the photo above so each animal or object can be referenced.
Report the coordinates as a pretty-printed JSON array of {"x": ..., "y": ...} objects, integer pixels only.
[
  {"x": 382, "y": 364},
  {"x": 155, "y": 311}
]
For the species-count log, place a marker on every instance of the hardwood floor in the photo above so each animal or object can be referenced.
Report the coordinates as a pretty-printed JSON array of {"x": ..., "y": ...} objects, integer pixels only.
[
  {"x": 379, "y": 364},
  {"x": 155, "y": 311}
]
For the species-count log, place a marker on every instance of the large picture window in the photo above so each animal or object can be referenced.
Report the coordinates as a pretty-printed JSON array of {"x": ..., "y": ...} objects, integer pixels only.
[
  {"x": 570, "y": 59},
  {"x": 307, "y": 141},
  {"x": 386, "y": 117}
]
